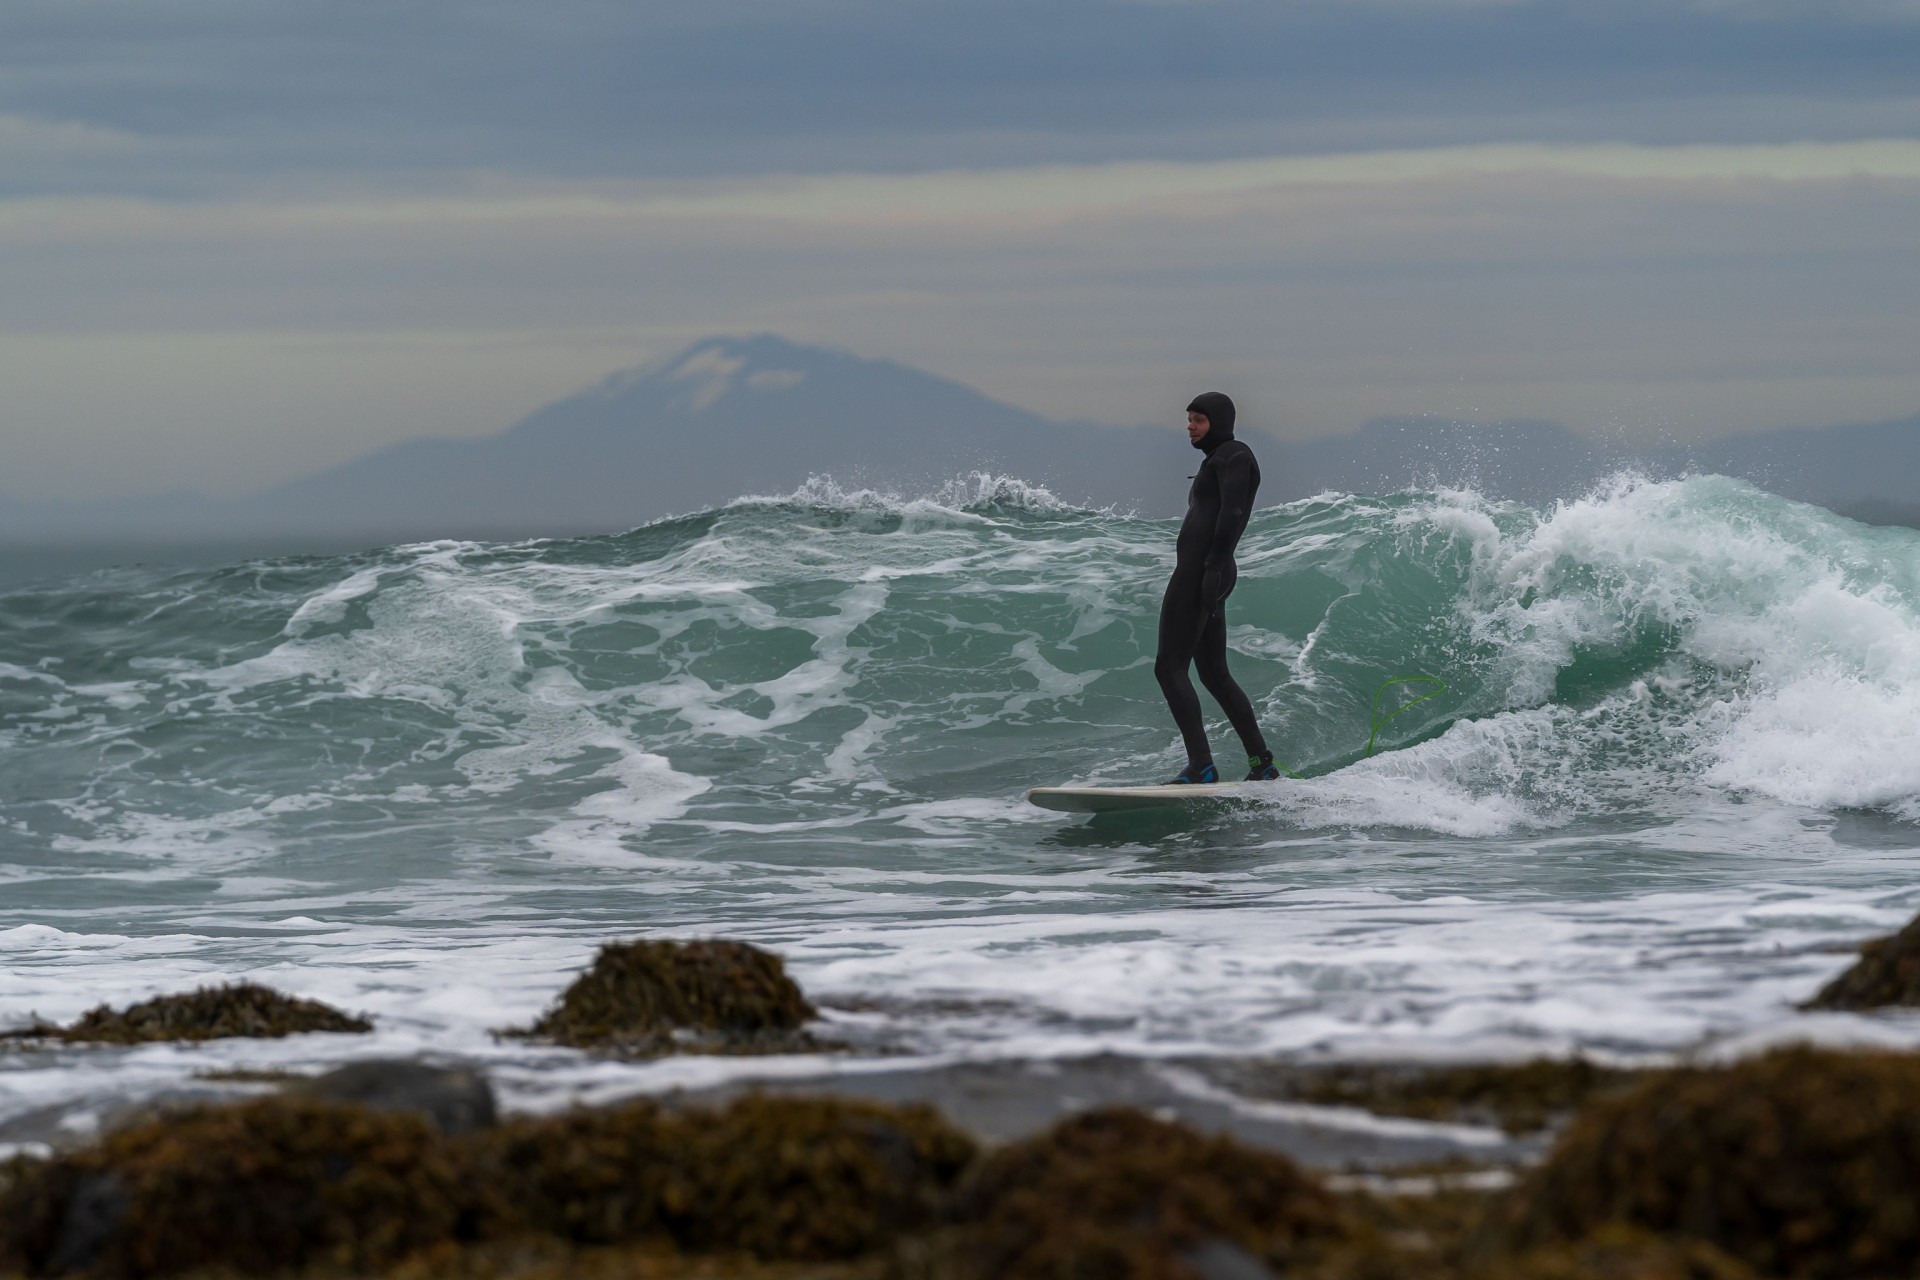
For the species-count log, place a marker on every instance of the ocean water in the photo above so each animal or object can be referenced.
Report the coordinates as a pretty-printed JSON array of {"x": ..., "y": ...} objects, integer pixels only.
[{"x": 1674, "y": 778}]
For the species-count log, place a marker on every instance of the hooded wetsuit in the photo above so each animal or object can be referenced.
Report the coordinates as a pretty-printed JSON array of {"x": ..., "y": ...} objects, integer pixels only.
[{"x": 1193, "y": 614}]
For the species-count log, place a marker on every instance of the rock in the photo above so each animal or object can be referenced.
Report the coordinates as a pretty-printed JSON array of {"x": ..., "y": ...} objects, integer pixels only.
[
  {"x": 1519, "y": 1097},
  {"x": 1224, "y": 1260},
  {"x": 95, "y": 1213},
  {"x": 456, "y": 1099},
  {"x": 664, "y": 997},
  {"x": 1803, "y": 1163},
  {"x": 1118, "y": 1193},
  {"x": 780, "y": 1178},
  {"x": 260, "y": 1187},
  {"x": 304, "y": 1184},
  {"x": 211, "y": 1013},
  {"x": 1617, "y": 1253},
  {"x": 1887, "y": 973}
]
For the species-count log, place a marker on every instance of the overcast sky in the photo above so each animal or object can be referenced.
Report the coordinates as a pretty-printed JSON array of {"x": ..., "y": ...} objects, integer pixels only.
[{"x": 240, "y": 240}]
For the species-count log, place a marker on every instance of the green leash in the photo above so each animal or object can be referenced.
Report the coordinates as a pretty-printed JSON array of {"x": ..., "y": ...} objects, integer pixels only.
[{"x": 1379, "y": 721}]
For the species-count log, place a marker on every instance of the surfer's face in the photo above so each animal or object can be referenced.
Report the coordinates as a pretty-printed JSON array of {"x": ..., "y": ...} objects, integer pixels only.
[{"x": 1197, "y": 426}]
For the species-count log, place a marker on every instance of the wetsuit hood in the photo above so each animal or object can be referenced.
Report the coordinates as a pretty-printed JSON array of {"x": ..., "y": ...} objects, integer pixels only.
[{"x": 1219, "y": 411}]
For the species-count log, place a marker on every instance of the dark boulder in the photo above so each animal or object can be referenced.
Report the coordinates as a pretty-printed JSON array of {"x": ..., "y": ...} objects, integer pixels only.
[{"x": 456, "y": 1099}]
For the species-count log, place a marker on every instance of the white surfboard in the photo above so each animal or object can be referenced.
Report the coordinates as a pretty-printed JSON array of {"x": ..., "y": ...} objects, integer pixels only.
[{"x": 1120, "y": 799}]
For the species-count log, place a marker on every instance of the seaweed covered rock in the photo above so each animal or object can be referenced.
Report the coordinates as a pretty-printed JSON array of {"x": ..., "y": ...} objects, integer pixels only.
[
  {"x": 256, "y": 1188},
  {"x": 655, "y": 997},
  {"x": 1117, "y": 1193},
  {"x": 295, "y": 1183},
  {"x": 1802, "y": 1163},
  {"x": 1617, "y": 1253},
  {"x": 792, "y": 1178},
  {"x": 211, "y": 1013},
  {"x": 1887, "y": 973}
]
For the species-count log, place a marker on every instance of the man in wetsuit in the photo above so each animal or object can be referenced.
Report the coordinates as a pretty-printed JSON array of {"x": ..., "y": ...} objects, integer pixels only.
[{"x": 1193, "y": 614}]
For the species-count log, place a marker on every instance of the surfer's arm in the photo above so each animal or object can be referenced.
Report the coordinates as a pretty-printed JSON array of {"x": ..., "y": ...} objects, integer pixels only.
[{"x": 1235, "y": 477}]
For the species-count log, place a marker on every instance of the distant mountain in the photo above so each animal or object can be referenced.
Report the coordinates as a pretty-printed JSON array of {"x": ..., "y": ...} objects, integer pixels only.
[
  {"x": 1862, "y": 467},
  {"x": 726, "y": 417},
  {"x": 734, "y": 416}
]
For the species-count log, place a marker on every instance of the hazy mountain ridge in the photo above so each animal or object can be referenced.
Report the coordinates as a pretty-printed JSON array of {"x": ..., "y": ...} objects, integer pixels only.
[{"x": 733, "y": 416}]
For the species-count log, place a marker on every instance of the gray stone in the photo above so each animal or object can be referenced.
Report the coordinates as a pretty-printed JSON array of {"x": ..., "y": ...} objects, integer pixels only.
[
  {"x": 457, "y": 1099},
  {"x": 1219, "y": 1259},
  {"x": 94, "y": 1214}
]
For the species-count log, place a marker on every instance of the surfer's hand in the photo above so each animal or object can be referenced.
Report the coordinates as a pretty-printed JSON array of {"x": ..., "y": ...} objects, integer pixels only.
[{"x": 1213, "y": 586}]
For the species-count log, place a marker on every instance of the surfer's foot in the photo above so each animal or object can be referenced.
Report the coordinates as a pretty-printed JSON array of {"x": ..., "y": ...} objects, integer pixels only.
[
  {"x": 1197, "y": 775},
  {"x": 1262, "y": 768}
]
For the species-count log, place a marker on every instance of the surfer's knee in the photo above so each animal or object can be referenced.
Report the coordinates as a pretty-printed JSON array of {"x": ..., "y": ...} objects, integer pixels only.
[{"x": 1213, "y": 673}]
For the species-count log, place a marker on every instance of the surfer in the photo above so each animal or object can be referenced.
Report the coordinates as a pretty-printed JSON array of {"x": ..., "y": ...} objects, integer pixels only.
[{"x": 1193, "y": 614}]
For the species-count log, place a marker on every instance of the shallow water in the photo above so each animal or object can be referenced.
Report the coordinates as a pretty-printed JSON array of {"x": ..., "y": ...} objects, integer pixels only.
[{"x": 1674, "y": 776}]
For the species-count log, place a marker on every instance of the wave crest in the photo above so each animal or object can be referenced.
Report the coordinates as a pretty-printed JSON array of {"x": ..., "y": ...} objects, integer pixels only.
[{"x": 972, "y": 493}]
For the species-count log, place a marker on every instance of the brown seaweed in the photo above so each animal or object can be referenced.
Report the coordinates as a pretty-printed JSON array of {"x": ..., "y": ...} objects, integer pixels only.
[
  {"x": 292, "y": 1183},
  {"x": 1617, "y": 1253},
  {"x": 1801, "y": 1163},
  {"x": 776, "y": 1177},
  {"x": 253, "y": 1188},
  {"x": 650, "y": 997},
  {"x": 1887, "y": 973},
  {"x": 208, "y": 1013},
  {"x": 1117, "y": 1193}
]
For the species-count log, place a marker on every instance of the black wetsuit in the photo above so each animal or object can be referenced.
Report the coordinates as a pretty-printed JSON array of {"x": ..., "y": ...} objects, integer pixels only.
[{"x": 1193, "y": 614}]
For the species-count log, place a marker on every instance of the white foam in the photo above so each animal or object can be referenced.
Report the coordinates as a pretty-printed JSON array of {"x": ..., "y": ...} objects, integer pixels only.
[
  {"x": 1816, "y": 656},
  {"x": 966, "y": 495}
]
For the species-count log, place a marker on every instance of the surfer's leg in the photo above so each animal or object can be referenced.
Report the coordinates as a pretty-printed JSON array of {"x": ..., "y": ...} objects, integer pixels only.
[
  {"x": 1179, "y": 627},
  {"x": 1211, "y": 659}
]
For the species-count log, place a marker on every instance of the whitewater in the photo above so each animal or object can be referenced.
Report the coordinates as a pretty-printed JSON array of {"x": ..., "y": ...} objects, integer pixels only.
[{"x": 1674, "y": 779}]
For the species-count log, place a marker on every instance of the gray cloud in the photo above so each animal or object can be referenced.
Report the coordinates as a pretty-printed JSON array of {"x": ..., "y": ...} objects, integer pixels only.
[
  {"x": 225, "y": 92},
  {"x": 241, "y": 239},
  {"x": 1643, "y": 292}
]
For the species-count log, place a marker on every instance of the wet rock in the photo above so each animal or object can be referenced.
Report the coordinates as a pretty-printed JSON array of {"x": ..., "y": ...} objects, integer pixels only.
[
  {"x": 456, "y": 1099},
  {"x": 255, "y": 1188},
  {"x": 792, "y": 1178},
  {"x": 289, "y": 1184},
  {"x": 1118, "y": 1193},
  {"x": 211, "y": 1013},
  {"x": 1224, "y": 1260},
  {"x": 1520, "y": 1097},
  {"x": 1617, "y": 1253},
  {"x": 653, "y": 997},
  {"x": 1887, "y": 973},
  {"x": 1802, "y": 1163},
  {"x": 96, "y": 1211}
]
